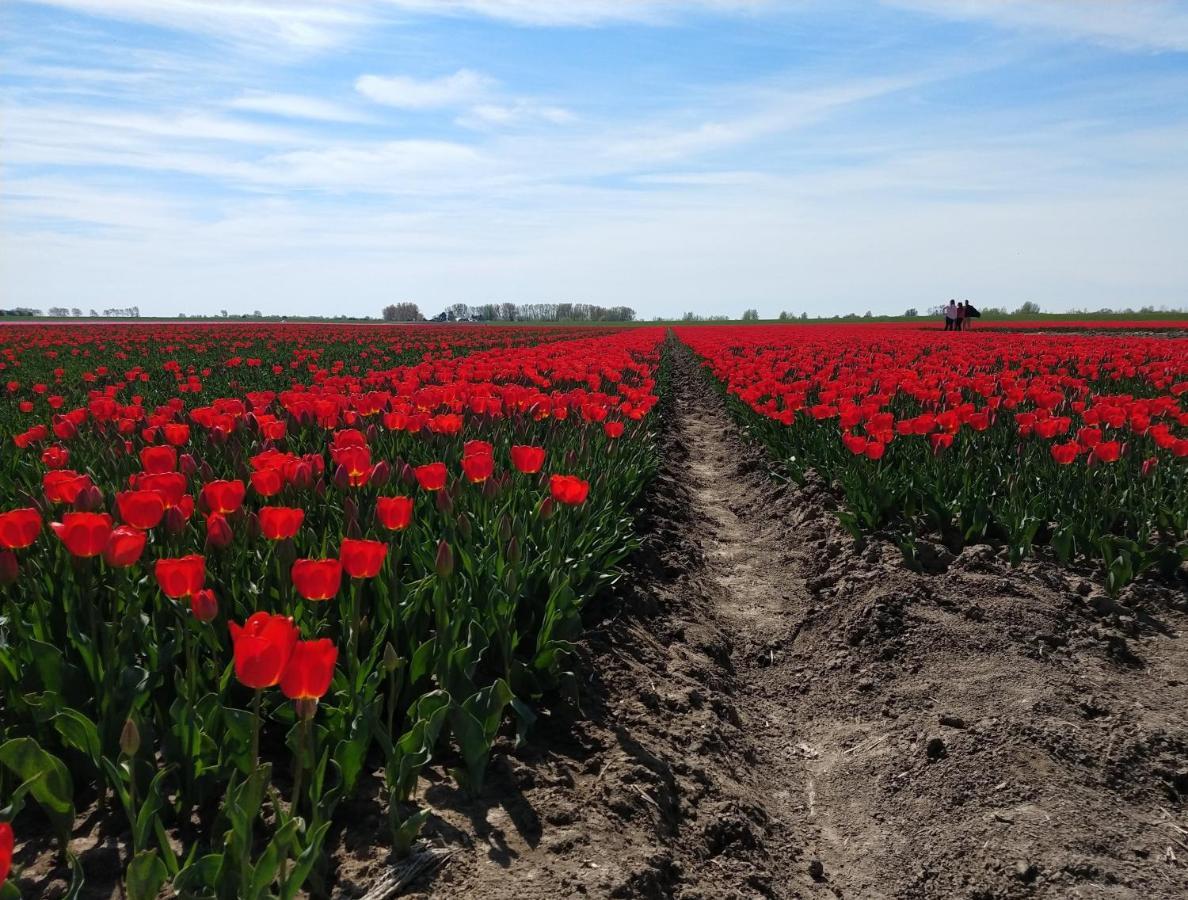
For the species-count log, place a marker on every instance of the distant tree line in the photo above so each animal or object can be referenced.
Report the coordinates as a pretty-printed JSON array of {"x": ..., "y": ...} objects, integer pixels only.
[
  {"x": 535, "y": 312},
  {"x": 62, "y": 312},
  {"x": 403, "y": 312}
]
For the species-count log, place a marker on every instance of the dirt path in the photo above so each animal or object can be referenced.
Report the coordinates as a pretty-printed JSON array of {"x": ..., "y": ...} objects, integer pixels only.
[{"x": 775, "y": 711}]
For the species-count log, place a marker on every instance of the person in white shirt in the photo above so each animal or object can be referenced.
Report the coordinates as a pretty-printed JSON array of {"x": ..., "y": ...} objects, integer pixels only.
[{"x": 951, "y": 313}]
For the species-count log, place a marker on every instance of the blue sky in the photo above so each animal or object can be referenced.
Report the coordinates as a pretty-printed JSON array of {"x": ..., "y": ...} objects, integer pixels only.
[{"x": 314, "y": 156}]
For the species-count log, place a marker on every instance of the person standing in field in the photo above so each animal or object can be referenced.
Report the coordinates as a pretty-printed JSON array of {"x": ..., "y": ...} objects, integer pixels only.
[
  {"x": 960, "y": 320},
  {"x": 951, "y": 316},
  {"x": 970, "y": 315}
]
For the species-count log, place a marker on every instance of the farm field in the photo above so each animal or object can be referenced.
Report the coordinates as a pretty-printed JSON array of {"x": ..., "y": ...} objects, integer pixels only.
[{"x": 715, "y": 611}]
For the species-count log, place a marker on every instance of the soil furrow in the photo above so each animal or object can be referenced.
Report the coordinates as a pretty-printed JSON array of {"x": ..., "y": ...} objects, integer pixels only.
[{"x": 774, "y": 710}]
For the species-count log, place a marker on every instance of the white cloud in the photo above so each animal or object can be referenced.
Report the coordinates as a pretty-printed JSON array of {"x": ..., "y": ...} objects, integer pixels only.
[
  {"x": 295, "y": 23},
  {"x": 315, "y": 24},
  {"x": 1127, "y": 24},
  {"x": 295, "y": 106},
  {"x": 582, "y": 12},
  {"x": 518, "y": 112},
  {"x": 464, "y": 86}
]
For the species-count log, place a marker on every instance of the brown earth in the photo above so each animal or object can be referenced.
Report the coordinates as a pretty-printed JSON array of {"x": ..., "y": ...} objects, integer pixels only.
[{"x": 772, "y": 710}]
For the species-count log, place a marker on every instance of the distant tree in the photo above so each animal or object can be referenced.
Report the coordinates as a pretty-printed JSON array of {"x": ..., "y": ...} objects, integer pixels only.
[
  {"x": 76, "y": 312},
  {"x": 912, "y": 312},
  {"x": 867, "y": 314},
  {"x": 1028, "y": 309},
  {"x": 750, "y": 315},
  {"x": 784, "y": 317},
  {"x": 94, "y": 314},
  {"x": 804, "y": 315},
  {"x": 223, "y": 313}
]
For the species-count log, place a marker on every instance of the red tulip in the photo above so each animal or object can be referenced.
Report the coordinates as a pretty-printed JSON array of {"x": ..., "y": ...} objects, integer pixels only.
[
  {"x": 478, "y": 468},
  {"x": 280, "y": 522},
  {"x": 569, "y": 489},
  {"x": 355, "y": 462},
  {"x": 1107, "y": 451},
  {"x": 204, "y": 605},
  {"x": 223, "y": 497},
  {"x": 182, "y": 577},
  {"x": 362, "y": 559},
  {"x": 394, "y": 513},
  {"x": 55, "y": 456},
  {"x": 310, "y": 670},
  {"x": 528, "y": 460},
  {"x": 317, "y": 579},
  {"x": 158, "y": 460},
  {"x": 477, "y": 448},
  {"x": 64, "y": 485},
  {"x": 263, "y": 646},
  {"x": 170, "y": 485},
  {"x": 1065, "y": 453},
  {"x": 124, "y": 546},
  {"x": 6, "y": 842},
  {"x": 613, "y": 429},
  {"x": 267, "y": 482},
  {"x": 19, "y": 528},
  {"x": 431, "y": 477},
  {"x": 176, "y": 433},
  {"x": 141, "y": 509},
  {"x": 84, "y": 534}
]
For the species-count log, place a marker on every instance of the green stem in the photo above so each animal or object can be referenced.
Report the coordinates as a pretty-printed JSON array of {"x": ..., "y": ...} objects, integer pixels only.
[{"x": 256, "y": 729}]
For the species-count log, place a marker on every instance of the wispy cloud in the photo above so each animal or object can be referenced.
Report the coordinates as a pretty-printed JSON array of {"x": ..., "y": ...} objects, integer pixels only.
[
  {"x": 515, "y": 113},
  {"x": 1127, "y": 24},
  {"x": 463, "y": 86},
  {"x": 296, "y": 106}
]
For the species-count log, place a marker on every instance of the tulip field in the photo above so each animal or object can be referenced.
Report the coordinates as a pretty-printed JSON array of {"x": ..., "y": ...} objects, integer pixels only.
[
  {"x": 1079, "y": 443},
  {"x": 246, "y": 569},
  {"x": 243, "y": 567}
]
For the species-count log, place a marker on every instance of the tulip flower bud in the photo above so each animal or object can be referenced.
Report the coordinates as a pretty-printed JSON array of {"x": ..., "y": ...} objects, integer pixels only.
[
  {"x": 464, "y": 526},
  {"x": 445, "y": 560},
  {"x": 205, "y": 472},
  {"x": 444, "y": 503},
  {"x": 218, "y": 532},
  {"x": 130, "y": 738},
  {"x": 372, "y": 433},
  {"x": 204, "y": 605},
  {"x": 174, "y": 520},
  {"x": 381, "y": 473},
  {"x": 319, "y": 488},
  {"x": 408, "y": 476},
  {"x": 546, "y": 508},
  {"x": 10, "y": 567},
  {"x": 510, "y": 581},
  {"x": 89, "y": 500},
  {"x": 303, "y": 476},
  {"x": 513, "y": 551},
  {"x": 187, "y": 465},
  {"x": 342, "y": 478},
  {"x": 491, "y": 489},
  {"x": 391, "y": 657},
  {"x": 505, "y": 528},
  {"x": 253, "y": 526},
  {"x": 1149, "y": 466}
]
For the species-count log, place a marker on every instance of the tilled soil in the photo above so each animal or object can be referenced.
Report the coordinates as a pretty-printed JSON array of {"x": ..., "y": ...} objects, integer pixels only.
[{"x": 775, "y": 711}]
